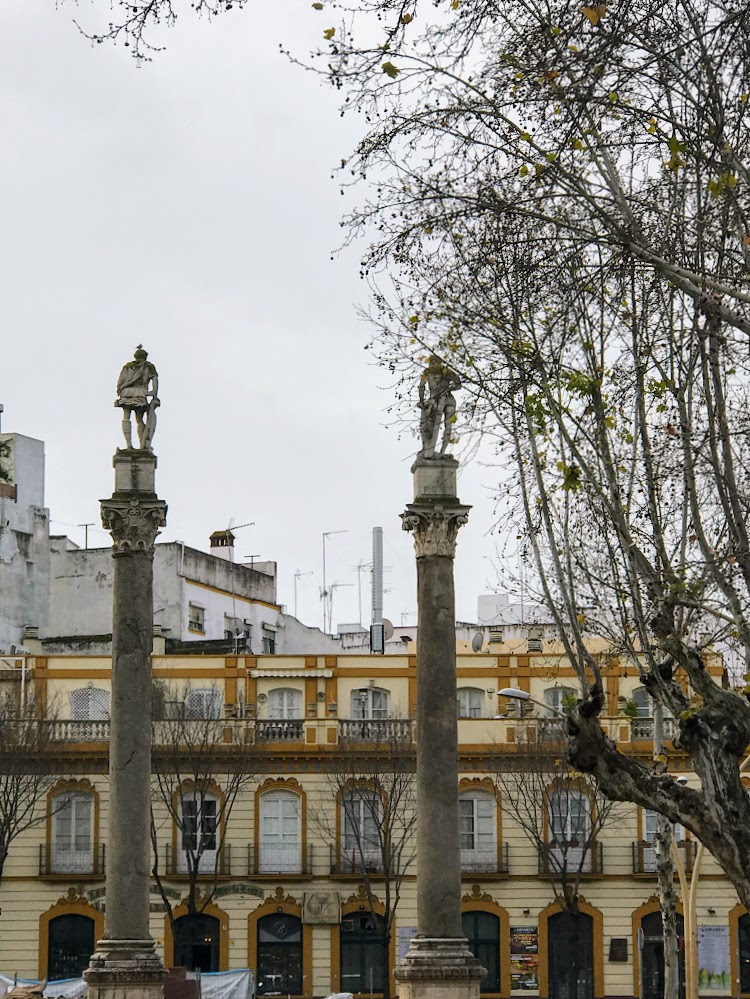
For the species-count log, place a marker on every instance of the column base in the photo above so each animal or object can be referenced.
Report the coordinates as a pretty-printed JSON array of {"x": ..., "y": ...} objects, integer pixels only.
[
  {"x": 125, "y": 969},
  {"x": 439, "y": 968}
]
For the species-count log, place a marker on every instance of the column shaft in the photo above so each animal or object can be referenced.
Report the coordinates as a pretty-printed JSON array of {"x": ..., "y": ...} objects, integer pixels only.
[
  {"x": 439, "y": 879},
  {"x": 129, "y": 848}
]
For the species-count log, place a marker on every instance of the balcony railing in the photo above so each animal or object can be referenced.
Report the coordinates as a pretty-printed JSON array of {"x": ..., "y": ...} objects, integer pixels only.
[
  {"x": 175, "y": 862},
  {"x": 82, "y": 864},
  {"x": 552, "y": 729},
  {"x": 291, "y": 861},
  {"x": 485, "y": 861},
  {"x": 642, "y": 729},
  {"x": 280, "y": 730},
  {"x": 382, "y": 730},
  {"x": 644, "y": 856},
  {"x": 355, "y": 863},
  {"x": 573, "y": 859},
  {"x": 69, "y": 730}
]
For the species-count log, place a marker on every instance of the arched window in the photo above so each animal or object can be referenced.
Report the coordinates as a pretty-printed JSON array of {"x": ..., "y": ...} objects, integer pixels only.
[
  {"x": 364, "y": 964},
  {"x": 482, "y": 930},
  {"x": 470, "y": 702},
  {"x": 89, "y": 704},
  {"x": 70, "y": 945},
  {"x": 280, "y": 833},
  {"x": 72, "y": 846},
  {"x": 196, "y": 942},
  {"x": 203, "y": 702},
  {"x": 370, "y": 703},
  {"x": 362, "y": 812},
  {"x": 285, "y": 702},
  {"x": 557, "y": 698},
  {"x": 478, "y": 830},
  {"x": 199, "y": 832},
  {"x": 279, "y": 962}
]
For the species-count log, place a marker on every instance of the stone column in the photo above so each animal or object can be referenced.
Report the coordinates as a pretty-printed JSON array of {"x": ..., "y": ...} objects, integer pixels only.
[
  {"x": 125, "y": 964},
  {"x": 439, "y": 964}
]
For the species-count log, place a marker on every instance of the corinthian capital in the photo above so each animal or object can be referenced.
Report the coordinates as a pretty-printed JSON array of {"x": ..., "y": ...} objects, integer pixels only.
[
  {"x": 133, "y": 523},
  {"x": 435, "y": 527}
]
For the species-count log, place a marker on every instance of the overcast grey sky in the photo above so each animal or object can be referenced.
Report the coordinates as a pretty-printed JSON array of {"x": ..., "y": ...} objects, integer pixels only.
[{"x": 188, "y": 205}]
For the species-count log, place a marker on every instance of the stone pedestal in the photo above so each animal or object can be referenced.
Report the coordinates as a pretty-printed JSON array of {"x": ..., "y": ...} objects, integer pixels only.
[
  {"x": 439, "y": 964},
  {"x": 125, "y": 961},
  {"x": 439, "y": 968},
  {"x": 125, "y": 969}
]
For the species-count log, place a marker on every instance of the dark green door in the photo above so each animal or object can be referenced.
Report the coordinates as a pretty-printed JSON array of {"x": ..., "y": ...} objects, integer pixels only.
[{"x": 571, "y": 956}]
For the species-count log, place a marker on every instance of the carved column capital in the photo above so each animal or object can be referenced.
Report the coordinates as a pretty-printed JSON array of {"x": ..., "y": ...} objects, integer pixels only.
[
  {"x": 435, "y": 527},
  {"x": 133, "y": 522}
]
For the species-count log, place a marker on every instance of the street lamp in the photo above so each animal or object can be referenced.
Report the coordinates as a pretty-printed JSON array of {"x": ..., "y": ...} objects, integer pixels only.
[{"x": 524, "y": 695}]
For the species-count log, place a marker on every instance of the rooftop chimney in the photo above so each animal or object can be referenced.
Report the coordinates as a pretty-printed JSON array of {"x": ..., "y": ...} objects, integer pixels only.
[{"x": 222, "y": 545}]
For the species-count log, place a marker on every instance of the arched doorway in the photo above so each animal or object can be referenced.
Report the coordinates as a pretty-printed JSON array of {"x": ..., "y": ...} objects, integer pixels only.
[
  {"x": 652, "y": 955},
  {"x": 70, "y": 945},
  {"x": 279, "y": 955},
  {"x": 364, "y": 958},
  {"x": 482, "y": 930},
  {"x": 743, "y": 953},
  {"x": 570, "y": 944},
  {"x": 196, "y": 942}
]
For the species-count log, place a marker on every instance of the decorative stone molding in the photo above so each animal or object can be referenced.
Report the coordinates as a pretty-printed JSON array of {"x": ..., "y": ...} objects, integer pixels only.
[
  {"x": 133, "y": 522},
  {"x": 477, "y": 895},
  {"x": 435, "y": 527}
]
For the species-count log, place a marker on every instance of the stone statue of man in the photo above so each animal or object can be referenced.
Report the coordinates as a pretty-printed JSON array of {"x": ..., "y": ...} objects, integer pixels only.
[
  {"x": 439, "y": 408},
  {"x": 137, "y": 389}
]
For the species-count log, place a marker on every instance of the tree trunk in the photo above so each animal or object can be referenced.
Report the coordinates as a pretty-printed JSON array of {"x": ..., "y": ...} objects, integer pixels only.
[
  {"x": 386, "y": 965},
  {"x": 665, "y": 873},
  {"x": 716, "y": 814}
]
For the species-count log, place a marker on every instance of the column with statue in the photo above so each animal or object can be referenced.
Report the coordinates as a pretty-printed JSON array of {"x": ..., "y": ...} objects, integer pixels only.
[
  {"x": 125, "y": 961},
  {"x": 438, "y": 964}
]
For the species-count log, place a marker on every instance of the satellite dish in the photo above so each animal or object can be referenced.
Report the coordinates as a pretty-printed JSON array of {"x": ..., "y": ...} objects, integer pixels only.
[
  {"x": 387, "y": 629},
  {"x": 477, "y": 642}
]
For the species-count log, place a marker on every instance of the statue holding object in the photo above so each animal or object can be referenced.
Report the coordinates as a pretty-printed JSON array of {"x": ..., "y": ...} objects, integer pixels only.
[
  {"x": 439, "y": 408},
  {"x": 137, "y": 389}
]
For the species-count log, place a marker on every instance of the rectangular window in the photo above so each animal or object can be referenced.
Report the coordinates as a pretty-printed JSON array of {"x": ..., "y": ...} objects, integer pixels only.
[
  {"x": 203, "y": 702},
  {"x": 268, "y": 636},
  {"x": 361, "y": 840},
  {"x": 197, "y": 618},
  {"x": 72, "y": 834},
  {"x": 478, "y": 832},
  {"x": 199, "y": 832}
]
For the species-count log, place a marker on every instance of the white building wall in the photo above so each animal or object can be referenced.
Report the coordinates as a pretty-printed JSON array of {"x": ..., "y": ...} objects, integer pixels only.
[{"x": 24, "y": 541}]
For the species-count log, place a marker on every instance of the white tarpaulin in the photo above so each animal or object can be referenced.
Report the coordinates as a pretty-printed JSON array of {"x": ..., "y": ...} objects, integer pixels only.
[{"x": 214, "y": 985}]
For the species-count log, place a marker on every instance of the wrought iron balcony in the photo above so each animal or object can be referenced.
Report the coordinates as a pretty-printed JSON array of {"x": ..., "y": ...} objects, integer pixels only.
[
  {"x": 644, "y": 856},
  {"x": 81, "y": 863},
  {"x": 355, "y": 862},
  {"x": 485, "y": 861},
  {"x": 571, "y": 858},
  {"x": 266, "y": 860},
  {"x": 175, "y": 862}
]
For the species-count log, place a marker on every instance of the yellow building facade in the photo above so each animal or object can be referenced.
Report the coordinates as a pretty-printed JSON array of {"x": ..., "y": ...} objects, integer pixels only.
[{"x": 290, "y": 889}]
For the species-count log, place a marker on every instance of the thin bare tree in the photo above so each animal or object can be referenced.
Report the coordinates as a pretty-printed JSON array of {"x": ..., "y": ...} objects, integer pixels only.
[
  {"x": 373, "y": 837},
  {"x": 202, "y": 763},
  {"x": 29, "y": 766},
  {"x": 562, "y": 813}
]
